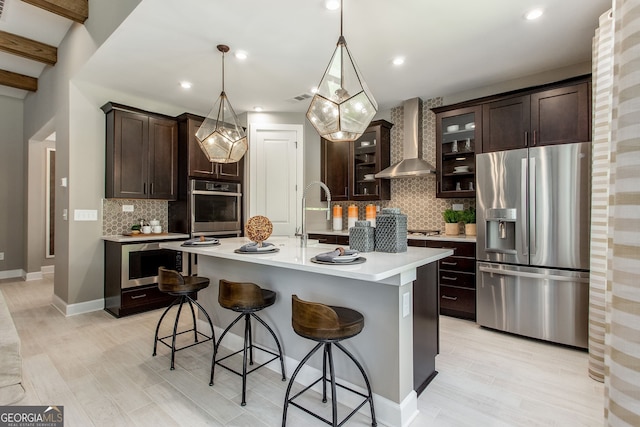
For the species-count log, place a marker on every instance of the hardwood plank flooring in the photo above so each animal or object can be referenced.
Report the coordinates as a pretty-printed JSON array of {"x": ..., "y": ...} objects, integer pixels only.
[{"x": 101, "y": 369}]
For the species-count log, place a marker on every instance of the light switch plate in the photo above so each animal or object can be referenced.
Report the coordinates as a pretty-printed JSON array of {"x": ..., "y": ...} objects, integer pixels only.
[
  {"x": 85, "y": 215},
  {"x": 406, "y": 304},
  {"x": 1, "y": 256},
  {"x": 127, "y": 208},
  {"x": 457, "y": 206}
]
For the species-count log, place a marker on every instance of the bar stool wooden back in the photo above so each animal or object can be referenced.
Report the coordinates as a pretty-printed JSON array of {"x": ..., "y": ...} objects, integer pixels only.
[
  {"x": 183, "y": 287},
  {"x": 327, "y": 325},
  {"x": 246, "y": 298}
]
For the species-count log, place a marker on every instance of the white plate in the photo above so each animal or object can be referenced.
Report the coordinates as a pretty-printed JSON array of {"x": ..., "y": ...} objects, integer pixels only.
[
  {"x": 471, "y": 125},
  {"x": 453, "y": 128}
]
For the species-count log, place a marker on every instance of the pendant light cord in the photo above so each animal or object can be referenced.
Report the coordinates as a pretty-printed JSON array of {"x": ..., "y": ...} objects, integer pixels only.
[
  {"x": 222, "y": 72},
  {"x": 341, "y": 8}
]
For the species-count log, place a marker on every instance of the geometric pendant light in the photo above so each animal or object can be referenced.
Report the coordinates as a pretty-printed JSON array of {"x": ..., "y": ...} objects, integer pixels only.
[
  {"x": 343, "y": 106},
  {"x": 220, "y": 136}
]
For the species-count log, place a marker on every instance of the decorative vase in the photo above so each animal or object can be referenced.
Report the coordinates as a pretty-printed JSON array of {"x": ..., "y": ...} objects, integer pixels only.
[
  {"x": 470, "y": 229},
  {"x": 451, "y": 228}
]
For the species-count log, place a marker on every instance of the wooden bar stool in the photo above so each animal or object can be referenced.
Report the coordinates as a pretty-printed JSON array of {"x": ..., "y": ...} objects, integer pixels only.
[
  {"x": 327, "y": 325},
  {"x": 246, "y": 299},
  {"x": 174, "y": 283}
]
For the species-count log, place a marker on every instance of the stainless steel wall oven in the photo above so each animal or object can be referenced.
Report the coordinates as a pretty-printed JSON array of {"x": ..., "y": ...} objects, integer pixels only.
[{"x": 216, "y": 208}]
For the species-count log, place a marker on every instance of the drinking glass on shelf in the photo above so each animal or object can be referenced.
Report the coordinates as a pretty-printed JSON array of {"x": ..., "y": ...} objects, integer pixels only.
[
  {"x": 471, "y": 186},
  {"x": 458, "y": 187},
  {"x": 467, "y": 145},
  {"x": 454, "y": 146}
]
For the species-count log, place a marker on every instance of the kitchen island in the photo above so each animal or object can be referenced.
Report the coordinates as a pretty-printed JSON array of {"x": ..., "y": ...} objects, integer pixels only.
[{"x": 382, "y": 289}]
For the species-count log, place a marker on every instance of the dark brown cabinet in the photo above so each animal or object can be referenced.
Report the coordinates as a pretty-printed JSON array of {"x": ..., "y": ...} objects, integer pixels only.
[
  {"x": 348, "y": 167},
  {"x": 456, "y": 277},
  {"x": 141, "y": 154},
  {"x": 332, "y": 239},
  {"x": 458, "y": 139},
  {"x": 194, "y": 163},
  {"x": 557, "y": 115}
]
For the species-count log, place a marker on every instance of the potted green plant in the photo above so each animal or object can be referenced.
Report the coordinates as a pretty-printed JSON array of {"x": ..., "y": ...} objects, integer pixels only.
[
  {"x": 468, "y": 217},
  {"x": 451, "y": 220}
]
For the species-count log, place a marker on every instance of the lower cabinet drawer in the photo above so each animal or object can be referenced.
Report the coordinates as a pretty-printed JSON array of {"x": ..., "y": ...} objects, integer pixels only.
[
  {"x": 453, "y": 278},
  {"x": 458, "y": 264},
  {"x": 458, "y": 302},
  {"x": 143, "y": 295}
]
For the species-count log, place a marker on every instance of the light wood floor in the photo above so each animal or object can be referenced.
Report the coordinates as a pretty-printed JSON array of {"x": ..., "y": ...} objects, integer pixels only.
[{"x": 100, "y": 368}]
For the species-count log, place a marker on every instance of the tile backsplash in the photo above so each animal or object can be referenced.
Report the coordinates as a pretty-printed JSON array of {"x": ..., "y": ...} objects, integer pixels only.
[
  {"x": 416, "y": 197},
  {"x": 114, "y": 221}
]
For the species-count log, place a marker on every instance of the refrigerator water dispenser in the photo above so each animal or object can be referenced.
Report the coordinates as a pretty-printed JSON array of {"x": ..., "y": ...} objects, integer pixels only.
[{"x": 500, "y": 230}]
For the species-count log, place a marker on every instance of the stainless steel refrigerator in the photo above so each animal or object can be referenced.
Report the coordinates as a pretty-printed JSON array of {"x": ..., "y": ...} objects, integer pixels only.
[{"x": 533, "y": 219}]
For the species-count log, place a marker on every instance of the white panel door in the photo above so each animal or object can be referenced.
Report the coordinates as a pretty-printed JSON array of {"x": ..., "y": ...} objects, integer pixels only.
[{"x": 276, "y": 173}]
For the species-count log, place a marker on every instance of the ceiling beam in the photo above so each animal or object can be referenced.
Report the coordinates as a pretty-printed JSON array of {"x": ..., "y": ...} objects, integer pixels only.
[
  {"x": 76, "y": 10},
  {"x": 18, "y": 81},
  {"x": 27, "y": 48}
]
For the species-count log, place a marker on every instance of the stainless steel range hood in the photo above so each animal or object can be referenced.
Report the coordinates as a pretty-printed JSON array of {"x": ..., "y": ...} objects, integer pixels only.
[{"x": 412, "y": 164}]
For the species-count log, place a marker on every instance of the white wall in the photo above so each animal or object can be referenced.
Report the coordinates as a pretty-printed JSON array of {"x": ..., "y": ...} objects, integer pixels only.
[{"x": 80, "y": 152}]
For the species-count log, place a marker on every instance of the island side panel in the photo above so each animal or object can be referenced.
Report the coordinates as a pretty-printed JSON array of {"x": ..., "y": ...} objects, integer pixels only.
[{"x": 384, "y": 347}]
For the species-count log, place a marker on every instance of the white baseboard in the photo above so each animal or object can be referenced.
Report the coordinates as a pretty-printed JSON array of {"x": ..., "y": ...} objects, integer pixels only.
[
  {"x": 388, "y": 413},
  {"x": 78, "y": 308},
  {"x": 48, "y": 269},
  {"x": 38, "y": 275},
  {"x": 10, "y": 274}
]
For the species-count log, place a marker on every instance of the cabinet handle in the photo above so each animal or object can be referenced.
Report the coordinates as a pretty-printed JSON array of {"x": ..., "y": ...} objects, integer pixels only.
[
  {"x": 449, "y": 278},
  {"x": 526, "y": 137},
  {"x": 151, "y": 188},
  {"x": 144, "y": 188},
  {"x": 449, "y": 298},
  {"x": 534, "y": 137},
  {"x": 448, "y": 263},
  {"x": 138, "y": 296},
  {"x": 346, "y": 191}
]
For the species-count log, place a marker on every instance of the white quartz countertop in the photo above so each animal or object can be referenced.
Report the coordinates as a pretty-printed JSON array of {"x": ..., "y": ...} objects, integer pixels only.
[
  {"x": 379, "y": 265},
  {"x": 440, "y": 237},
  {"x": 119, "y": 238}
]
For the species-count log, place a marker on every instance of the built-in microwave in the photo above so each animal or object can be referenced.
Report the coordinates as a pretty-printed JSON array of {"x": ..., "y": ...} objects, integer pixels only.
[
  {"x": 216, "y": 208},
  {"x": 140, "y": 262}
]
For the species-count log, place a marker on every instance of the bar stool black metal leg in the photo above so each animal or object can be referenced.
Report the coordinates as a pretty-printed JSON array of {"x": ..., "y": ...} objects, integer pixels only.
[
  {"x": 175, "y": 330},
  {"x": 247, "y": 319},
  {"x": 202, "y": 310},
  {"x": 324, "y": 373},
  {"x": 366, "y": 380},
  {"x": 193, "y": 317},
  {"x": 292, "y": 380},
  {"x": 217, "y": 345},
  {"x": 247, "y": 339},
  {"x": 275, "y": 338},
  {"x": 334, "y": 400},
  {"x": 155, "y": 342}
]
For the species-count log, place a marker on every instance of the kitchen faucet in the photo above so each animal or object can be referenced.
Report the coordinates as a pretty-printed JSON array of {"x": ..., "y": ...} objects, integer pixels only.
[{"x": 303, "y": 233}]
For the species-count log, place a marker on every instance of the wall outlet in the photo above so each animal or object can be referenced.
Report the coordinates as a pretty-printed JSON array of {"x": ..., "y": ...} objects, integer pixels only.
[
  {"x": 457, "y": 206},
  {"x": 1, "y": 256},
  {"x": 127, "y": 208},
  {"x": 65, "y": 214}
]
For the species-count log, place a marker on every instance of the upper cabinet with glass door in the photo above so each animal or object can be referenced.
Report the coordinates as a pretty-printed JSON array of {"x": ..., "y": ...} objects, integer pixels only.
[
  {"x": 458, "y": 138},
  {"x": 369, "y": 155}
]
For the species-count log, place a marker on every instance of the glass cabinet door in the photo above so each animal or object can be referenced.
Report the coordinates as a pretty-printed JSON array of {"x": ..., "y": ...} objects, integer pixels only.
[
  {"x": 458, "y": 140},
  {"x": 365, "y": 165}
]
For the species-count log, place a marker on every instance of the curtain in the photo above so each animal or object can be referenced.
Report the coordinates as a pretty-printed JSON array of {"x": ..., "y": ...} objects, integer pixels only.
[{"x": 622, "y": 296}]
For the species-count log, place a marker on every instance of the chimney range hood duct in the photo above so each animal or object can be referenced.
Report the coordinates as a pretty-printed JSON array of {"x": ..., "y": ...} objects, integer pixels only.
[{"x": 412, "y": 164}]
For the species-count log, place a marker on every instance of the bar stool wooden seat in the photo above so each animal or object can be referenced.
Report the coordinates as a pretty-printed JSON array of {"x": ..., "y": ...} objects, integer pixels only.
[
  {"x": 183, "y": 287},
  {"x": 327, "y": 325},
  {"x": 246, "y": 298}
]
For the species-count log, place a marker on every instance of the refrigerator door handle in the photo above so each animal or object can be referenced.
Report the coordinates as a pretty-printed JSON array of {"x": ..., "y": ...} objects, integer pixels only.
[
  {"x": 523, "y": 208},
  {"x": 532, "y": 205},
  {"x": 533, "y": 275}
]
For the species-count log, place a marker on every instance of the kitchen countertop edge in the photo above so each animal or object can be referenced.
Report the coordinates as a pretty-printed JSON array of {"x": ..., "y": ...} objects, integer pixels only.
[{"x": 119, "y": 238}]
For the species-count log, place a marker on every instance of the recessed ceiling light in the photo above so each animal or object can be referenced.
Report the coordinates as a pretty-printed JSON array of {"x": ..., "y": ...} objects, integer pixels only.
[
  {"x": 314, "y": 90},
  {"x": 185, "y": 85},
  {"x": 332, "y": 4},
  {"x": 241, "y": 54},
  {"x": 257, "y": 109},
  {"x": 398, "y": 61},
  {"x": 533, "y": 14}
]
